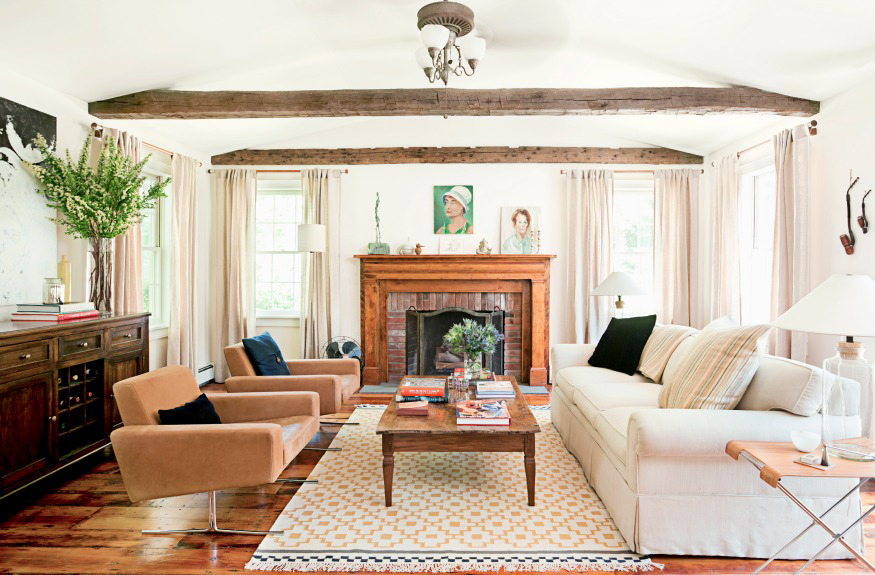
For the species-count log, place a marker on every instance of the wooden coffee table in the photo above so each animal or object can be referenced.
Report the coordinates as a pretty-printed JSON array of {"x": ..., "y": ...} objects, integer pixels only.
[{"x": 438, "y": 432}]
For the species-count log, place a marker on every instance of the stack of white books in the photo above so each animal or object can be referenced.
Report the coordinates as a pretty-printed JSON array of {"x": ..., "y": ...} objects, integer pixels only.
[{"x": 495, "y": 390}]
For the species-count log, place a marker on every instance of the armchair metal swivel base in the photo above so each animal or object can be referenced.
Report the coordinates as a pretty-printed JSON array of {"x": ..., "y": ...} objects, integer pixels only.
[{"x": 212, "y": 525}]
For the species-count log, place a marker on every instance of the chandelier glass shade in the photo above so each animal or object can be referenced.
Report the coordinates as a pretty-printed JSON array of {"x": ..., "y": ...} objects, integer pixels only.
[{"x": 444, "y": 28}]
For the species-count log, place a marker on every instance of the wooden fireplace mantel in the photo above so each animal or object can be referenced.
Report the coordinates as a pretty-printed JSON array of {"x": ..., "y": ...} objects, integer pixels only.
[{"x": 528, "y": 275}]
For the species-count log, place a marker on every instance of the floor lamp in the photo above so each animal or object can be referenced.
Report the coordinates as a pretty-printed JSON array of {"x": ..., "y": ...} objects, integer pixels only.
[
  {"x": 843, "y": 305},
  {"x": 312, "y": 239},
  {"x": 618, "y": 284}
]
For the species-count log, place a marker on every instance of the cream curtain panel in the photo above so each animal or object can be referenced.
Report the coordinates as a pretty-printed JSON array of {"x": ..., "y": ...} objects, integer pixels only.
[
  {"x": 183, "y": 297},
  {"x": 791, "y": 249},
  {"x": 589, "y": 203},
  {"x": 233, "y": 262},
  {"x": 675, "y": 241},
  {"x": 319, "y": 305},
  {"x": 127, "y": 263},
  {"x": 725, "y": 262}
]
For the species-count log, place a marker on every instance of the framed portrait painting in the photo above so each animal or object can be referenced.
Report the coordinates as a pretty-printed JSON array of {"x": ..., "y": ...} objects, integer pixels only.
[
  {"x": 520, "y": 229},
  {"x": 454, "y": 209}
]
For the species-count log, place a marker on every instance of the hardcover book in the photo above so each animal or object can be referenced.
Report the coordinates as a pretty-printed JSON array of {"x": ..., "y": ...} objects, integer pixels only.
[
  {"x": 424, "y": 387},
  {"x": 55, "y": 307},
  {"x": 477, "y": 412},
  {"x": 412, "y": 408}
]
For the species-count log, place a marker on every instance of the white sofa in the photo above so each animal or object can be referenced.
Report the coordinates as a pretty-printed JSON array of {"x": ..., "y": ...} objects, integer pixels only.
[{"x": 664, "y": 476}]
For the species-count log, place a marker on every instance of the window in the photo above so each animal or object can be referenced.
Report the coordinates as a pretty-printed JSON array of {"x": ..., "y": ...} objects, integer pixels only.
[
  {"x": 278, "y": 211},
  {"x": 632, "y": 236},
  {"x": 155, "y": 244},
  {"x": 756, "y": 231}
]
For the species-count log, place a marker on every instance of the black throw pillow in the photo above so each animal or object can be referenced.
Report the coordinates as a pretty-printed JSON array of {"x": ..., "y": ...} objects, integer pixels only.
[
  {"x": 265, "y": 355},
  {"x": 200, "y": 410},
  {"x": 620, "y": 347}
]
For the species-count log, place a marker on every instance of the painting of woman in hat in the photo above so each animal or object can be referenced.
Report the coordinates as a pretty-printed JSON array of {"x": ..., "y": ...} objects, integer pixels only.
[{"x": 454, "y": 209}]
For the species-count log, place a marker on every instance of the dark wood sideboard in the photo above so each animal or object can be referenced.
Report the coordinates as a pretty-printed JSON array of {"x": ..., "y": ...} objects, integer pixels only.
[{"x": 56, "y": 401}]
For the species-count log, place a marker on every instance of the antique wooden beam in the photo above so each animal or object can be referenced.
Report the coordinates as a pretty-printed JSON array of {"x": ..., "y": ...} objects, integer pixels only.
[
  {"x": 455, "y": 155},
  {"x": 167, "y": 104}
]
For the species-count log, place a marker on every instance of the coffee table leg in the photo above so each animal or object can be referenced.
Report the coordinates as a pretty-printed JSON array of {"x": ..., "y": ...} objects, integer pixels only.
[
  {"x": 529, "y": 461},
  {"x": 388, "y": 468}
]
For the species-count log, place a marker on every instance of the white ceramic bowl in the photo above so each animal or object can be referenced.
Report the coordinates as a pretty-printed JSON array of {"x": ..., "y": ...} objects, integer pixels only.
[{"x": 805, "y": 441}]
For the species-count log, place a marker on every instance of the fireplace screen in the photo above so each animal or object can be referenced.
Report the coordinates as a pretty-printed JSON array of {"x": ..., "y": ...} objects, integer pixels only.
[{"x": 426, "y": 353}]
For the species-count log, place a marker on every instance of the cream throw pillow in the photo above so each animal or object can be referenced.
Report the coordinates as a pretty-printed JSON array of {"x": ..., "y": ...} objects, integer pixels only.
[
  {"x": 716, "y": 371},
  {"x": 663, "y": 341}
]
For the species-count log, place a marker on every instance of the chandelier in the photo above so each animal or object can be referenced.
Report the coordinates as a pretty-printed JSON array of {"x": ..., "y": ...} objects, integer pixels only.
[{"x": 444, "y": 27}]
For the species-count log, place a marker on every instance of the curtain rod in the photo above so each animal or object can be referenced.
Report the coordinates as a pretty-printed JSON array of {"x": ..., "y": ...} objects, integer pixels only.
[
  {"x": 97, "y": 130},
  {"x": 210, "y": 171},
  {"x": 812, "y": 131},
  {"x": 628, "y": 171}
]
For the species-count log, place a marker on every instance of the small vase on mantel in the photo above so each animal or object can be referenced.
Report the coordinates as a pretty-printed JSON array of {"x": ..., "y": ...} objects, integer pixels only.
[{"x": 101, "y": 273}]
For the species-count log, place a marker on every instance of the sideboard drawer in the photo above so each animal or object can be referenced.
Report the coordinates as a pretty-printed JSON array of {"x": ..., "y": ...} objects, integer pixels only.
[
  {"x": 25, "y": 355},
  {"x": 125, "y": 336},
  {"x": 81, "y": 343}
]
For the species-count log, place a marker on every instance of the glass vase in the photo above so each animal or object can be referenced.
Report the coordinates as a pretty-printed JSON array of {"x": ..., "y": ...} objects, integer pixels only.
[
  {"x": 473, "y": 366},
  {"x": 101, "y": 273}
]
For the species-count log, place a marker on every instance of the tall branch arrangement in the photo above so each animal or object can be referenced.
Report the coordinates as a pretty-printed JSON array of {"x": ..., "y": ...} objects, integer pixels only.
[{"x": 99, "y": 203}]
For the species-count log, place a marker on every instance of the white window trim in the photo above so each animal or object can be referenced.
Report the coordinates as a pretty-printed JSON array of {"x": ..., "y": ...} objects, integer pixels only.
[{"x": 161, "y": 330}]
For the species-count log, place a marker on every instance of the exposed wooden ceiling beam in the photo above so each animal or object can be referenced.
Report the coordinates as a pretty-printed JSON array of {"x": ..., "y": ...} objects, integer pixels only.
[
  {"x": 459, "y": 155},
  {"x": 169, "y": 104}
]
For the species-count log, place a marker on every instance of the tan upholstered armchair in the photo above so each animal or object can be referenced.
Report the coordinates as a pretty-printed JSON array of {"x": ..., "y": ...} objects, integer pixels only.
[
  {"x": 335, "y": 380},
  {"x": 259, "y": 436}
]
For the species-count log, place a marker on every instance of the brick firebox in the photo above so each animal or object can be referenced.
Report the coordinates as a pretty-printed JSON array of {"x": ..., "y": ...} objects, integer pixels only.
[
  {"x": 399, "y": 303},
  {"x": 520, "y": 282}
]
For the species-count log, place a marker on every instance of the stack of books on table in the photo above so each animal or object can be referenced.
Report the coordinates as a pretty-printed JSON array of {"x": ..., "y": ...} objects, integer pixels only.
[
  {"x": 55, "y": 312},
  {"x": 433, "y": 390},
  {"x": 477, "y": 412},
  {"x": 495, "y": 390},
  {"x": 412, "y": 408}
]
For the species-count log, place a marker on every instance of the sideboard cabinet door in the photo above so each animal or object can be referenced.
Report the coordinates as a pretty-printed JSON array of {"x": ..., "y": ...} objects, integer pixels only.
[
  {"x": 25, "y": 426},
  {"x": 121, "y": 367}
]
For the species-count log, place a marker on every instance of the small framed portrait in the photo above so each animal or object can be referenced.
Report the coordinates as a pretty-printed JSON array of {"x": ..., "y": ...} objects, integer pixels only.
[
  {"x": 454, "y": 210},
  {"x": 454, "y": 244},
  {"x": 520, "y": 229}
]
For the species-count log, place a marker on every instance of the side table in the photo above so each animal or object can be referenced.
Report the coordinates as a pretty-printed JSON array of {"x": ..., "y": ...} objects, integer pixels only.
[{"x": 776, "y": 460}]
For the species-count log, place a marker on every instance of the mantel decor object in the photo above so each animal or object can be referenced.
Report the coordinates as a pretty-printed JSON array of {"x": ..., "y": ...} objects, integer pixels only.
[
  {"x": 843, "y": 305},
  {"x": 483, "y": 249},
  {"x": 378, "y": 247},
  {"x": 96, "y": 204}
]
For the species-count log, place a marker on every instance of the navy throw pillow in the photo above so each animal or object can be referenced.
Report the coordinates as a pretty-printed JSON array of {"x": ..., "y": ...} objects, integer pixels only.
[
  {"x": 265, "y": 355},
  {"x": 620, "y": 347},
  {"x": 200, "y": 410}
]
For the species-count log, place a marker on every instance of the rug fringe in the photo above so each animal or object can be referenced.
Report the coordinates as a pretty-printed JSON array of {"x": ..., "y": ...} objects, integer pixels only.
[{"x": 438, "y": 567}]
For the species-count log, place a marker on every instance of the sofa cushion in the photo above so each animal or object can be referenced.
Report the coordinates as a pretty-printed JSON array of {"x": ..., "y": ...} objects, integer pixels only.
[
  {"x": 786, "y": 385},
  {"x": 621, "y": 345},
  {"x": 297, "y": 432},
  {"x": 660, "y": 346},
  {"x": 569, "y": 378},
  {"x": 716, "y": 371},
  {"x": 591, "y": 399}
]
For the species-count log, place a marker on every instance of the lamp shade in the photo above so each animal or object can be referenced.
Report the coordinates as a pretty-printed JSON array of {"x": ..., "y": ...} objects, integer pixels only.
[
  {"x": 435, "y": 36},
  {"x": 618, "y": 283},
  {"x": 312, "y": 237},
  {"x": 473, "y": 48},
  {"x": 423, "y": 59},
  {"x": 842, "y": 305}
]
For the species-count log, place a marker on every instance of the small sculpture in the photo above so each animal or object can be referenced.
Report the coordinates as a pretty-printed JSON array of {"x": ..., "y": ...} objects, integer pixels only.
[
  {"x": 378, "y": 247},
  {"x": 483, "y": 249},
  {"x": 406, "y": 249},
  {"x": 419, "y": 249}
]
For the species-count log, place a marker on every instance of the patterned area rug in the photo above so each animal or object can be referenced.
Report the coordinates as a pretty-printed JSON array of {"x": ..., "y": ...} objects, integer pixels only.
[{"x": 452, "y": 512}]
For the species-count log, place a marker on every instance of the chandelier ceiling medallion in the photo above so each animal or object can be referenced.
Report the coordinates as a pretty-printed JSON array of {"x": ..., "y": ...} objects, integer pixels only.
[{"x": 444, "y": 27}]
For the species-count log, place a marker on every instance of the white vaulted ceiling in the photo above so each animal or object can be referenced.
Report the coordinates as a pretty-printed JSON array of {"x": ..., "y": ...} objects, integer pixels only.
[{"x": 97, "y": 49}]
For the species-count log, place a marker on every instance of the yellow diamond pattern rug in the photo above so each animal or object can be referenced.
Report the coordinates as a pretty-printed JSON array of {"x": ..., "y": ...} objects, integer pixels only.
[{"x": 451, "y": 512}]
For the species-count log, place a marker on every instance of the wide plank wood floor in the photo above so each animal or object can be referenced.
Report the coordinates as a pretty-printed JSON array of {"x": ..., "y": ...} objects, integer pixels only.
[{"x": 81, "y": 521}]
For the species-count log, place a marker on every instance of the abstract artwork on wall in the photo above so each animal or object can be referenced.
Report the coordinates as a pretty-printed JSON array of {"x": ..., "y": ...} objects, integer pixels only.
[
  {"x": 28, "y": 239},
  {"x": 454, "y": 209},
  {"x": 520, "y": 229}
]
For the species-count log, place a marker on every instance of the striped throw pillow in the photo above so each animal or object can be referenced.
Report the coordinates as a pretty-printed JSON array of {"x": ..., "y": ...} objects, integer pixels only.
[
  {"x": 717, "y": 370},
  {"x": 660, "y": 345}
]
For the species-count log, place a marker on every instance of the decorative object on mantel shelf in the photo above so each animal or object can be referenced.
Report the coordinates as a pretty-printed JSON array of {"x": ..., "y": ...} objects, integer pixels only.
[
  {"x": 377, "y": 247},
  {"x": 418, "y": 249},
  {"x": 454, "y": 210},
  {"x": 473, "y": 340},
  {"x": 444, "y": 28},
  {"x": 406, "y": 249},
  {"x": 96, "y": 204},
  {"x": 848, "y": 240},
  {"x": 520, "y": 230},
  {"x": 483, "y": 249}
]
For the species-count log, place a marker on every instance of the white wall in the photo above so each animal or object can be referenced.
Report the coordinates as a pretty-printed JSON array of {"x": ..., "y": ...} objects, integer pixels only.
[
  {"x": 73, "y": 124},
  {"x": 845, "y": 141}
]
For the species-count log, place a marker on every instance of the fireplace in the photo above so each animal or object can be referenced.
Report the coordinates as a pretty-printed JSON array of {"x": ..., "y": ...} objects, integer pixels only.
[{"x": 424, "y": 332}]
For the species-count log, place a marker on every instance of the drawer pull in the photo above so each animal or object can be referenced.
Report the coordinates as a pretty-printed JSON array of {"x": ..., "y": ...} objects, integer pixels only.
[
  {"x": 83, "y": 344},
  {"x": 24, "y": 356},
  {"x": 128, "y": 336},
  {"x": 53, "y": 418}
]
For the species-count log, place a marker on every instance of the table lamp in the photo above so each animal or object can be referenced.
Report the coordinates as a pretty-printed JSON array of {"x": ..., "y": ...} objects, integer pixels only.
[
  {"x": 843, "y": 305},
  {"x": 618, "y": 284}
]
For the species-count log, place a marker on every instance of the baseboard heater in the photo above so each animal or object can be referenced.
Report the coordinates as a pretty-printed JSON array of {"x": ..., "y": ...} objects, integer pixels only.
[{"x": 205, "y": 374}]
